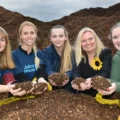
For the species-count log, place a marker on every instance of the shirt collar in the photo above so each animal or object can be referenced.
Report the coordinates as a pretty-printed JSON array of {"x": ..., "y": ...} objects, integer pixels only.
[{"x": 24, "y": 51}]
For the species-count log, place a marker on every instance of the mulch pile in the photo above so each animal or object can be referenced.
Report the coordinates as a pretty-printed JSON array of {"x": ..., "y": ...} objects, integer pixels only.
[
  {"x": 59, "y": 105},
  {"x": 99, "y": 19}
]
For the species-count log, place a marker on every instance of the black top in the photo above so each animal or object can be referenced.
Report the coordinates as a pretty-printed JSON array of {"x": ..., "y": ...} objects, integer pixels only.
[{"x": 86, "y": 71}]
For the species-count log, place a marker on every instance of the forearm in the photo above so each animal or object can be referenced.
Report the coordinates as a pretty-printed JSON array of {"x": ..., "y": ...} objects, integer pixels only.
[
  {"x": 117, "y": 86},
  {"x": 4, "y": 88},
  {"x": 115, "y": 79}
]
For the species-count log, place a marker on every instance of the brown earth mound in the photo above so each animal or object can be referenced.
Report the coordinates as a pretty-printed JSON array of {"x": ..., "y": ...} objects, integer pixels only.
[
  {"x": 59, "y": 105},
  {"x": 99, "y": 19}
]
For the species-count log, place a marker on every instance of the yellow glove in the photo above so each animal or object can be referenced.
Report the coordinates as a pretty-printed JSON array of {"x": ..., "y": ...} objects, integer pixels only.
[
  {"x": 49, "y": 87},
  {"x": 119, "y": 118},
  {"x": 101, "y": 100},
  {"x": 34, "y": 79}
]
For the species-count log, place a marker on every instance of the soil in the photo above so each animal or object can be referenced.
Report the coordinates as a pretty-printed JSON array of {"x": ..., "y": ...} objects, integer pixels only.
[
  {"x": 3, "y": 95},
  {"x": 27, "y": 86},
  {"x": 99, "y": 82},
  {"x": 59, "y": 105},
  {"x": 39, "y": 88},
  {"x": 30, "y": 88},
  {"x": 58, "y": 78},
  {"x": 77, "y": 81}
]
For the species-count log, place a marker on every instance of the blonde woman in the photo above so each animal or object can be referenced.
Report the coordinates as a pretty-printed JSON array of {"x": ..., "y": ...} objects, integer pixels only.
[
  {"x": 6, "y": 64},
  {"x": 59, "y": 55},
  {"x": 92, "y": 58},
  {"x": 27, "y": 58}
]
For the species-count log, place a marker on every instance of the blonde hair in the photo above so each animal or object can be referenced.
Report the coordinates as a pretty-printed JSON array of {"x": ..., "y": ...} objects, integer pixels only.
[
  {"x": 113, "y": 27},
  {"x": 6, "y": 61},
  {"x": 28, "y": 23},
  {"x": 79, "y": 53},
  {"x": 66, "y": 63}
]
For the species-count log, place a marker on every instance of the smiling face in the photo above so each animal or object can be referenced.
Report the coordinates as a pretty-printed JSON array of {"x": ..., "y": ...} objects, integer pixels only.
[
  {"x": 58, "y": 37},
  {"x": 2, "y": 43},
  {"x": 116, "y": 37},
  {"x": 88, "y": 42},
  {"x": 28, "y": 35}
]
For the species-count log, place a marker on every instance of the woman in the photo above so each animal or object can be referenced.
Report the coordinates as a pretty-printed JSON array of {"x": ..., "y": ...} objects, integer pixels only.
[
  {"x": 115, "y": 75},
  {"x": 92, "y": 58},
  {"x": 27, "y": 58},
  {"x": 6, "y": 65},
  {"x": 6, "y": 62},
  {"x": 59, "y": 55}
]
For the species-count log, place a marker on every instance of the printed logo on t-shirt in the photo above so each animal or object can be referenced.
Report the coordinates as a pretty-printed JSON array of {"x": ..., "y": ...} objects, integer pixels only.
[{"x": 29, "y": 68}]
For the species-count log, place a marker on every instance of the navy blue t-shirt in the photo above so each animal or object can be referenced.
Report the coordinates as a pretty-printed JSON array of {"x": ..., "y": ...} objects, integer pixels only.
[
  {"x": 53, "y": 61},
  {"x": 25, "y": 63}
]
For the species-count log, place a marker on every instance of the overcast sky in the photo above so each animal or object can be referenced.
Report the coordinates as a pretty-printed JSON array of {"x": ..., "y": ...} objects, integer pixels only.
[{"x": 48, "y": 10}]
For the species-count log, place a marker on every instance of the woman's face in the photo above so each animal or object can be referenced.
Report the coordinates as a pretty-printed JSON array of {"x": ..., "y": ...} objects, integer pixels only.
[
  {"x": 2, "y": 43},
  {"x": 58, "y": 37},
  {"x": 88, "y": 42},
  {"x": 28, "y": 35},
  {"x": 116, "y": 37}
]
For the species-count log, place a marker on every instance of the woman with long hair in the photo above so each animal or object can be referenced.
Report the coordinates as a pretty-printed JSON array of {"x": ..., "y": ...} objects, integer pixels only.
[
  {"x": 6, "y": 63},
  {"x": 59, "y": 56},
  {"x": 27, "y": 58},
  {"x": 92, "y": 58}
]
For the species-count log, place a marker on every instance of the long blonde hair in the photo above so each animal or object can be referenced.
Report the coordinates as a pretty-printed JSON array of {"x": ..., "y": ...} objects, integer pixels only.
[
  {"x": 66, "y": 63},
  {"x": 28, "y": 23},
  {"x": 6, "y": 61},
  {"x": 79, "y": 53}
]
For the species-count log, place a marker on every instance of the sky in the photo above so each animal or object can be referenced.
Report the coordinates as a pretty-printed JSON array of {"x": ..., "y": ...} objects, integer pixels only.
[{"x": 48, "y": 10}]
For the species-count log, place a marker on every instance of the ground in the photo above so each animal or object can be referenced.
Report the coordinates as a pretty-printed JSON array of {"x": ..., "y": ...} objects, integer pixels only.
[{"x": 59, "y": 105}]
